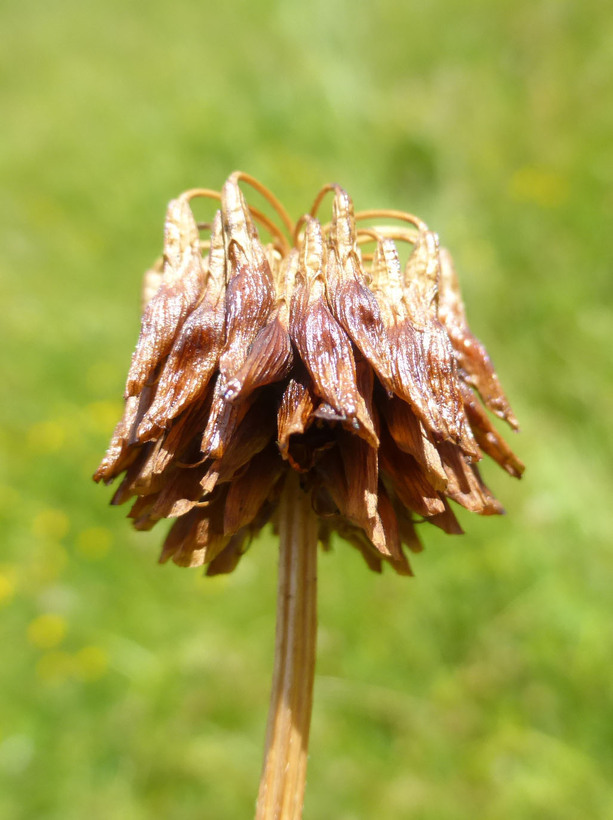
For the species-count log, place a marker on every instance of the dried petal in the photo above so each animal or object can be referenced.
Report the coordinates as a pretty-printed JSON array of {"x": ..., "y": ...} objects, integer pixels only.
[
  {"x": 322, "y": 344},
  {"x": 422, "y": 275},
  {"x": 410, "y": 484},
  {"x": 389, "y": 521},
  {"x": 357, "y": 311},
  {"x": 411, "y": 437},
  {"x": 196, "y": 538},
  {"x": 472, "y": 356},
  {"x": 487, "y": 437},
  {"x": 269, "y": 360},
  {"x": 117, "y": 457},
  {"x": 254, "y": 432},
  {"x": 177, "y": 295},
  {"x": 295, "y": 411},
  {"x": 223, "y": 420},
  {"x": 188, "y": 369},
  {"x": 250, "y": 490},
  {"x": 446, "y": 521},
  {"x": 228, "y": 558},
  {"x": 464, "y": 484}
]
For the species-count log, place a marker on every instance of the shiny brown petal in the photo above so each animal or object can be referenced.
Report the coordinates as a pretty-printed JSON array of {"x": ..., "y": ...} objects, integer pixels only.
[
  {"x": 409, "y": 374},
  {"x": 188, "y": 369},
  {"x": 391, "y": 528},
  {"x": 472, "y": 356},
  {"x": 323, "y": 345},
  {"x": 464, "y": 484},
  {"x": 181, "y": 288},
  {"x": 118, "y": 457},
  {"x": 250, "y": 291},
  {"x": 237, "y": 223},
  {"x": 227, "y": 560},
  {"x": 446, "y": 520},
  {"x": 342, "y": 228},
  {"x": 223, "y": 420},
  {"x": 422, "y": 276},
  {"x": 421, "y": 280},
  {"x": 196, "y": 538},
  {"x": 487, "y": 437},
  {"x": 254, "y": 432},
  {"x": 269, "y": 360},
  {"x": 356, "y": 309},
  {"x": 249, "y": 491},
  {"x": 195, "y": 353},
  {"x": 411, "y": 437},
  {"x": 295, "y": 411},
  {"x": 410, "y": 484},
  {"x": 361, "y": 469}
]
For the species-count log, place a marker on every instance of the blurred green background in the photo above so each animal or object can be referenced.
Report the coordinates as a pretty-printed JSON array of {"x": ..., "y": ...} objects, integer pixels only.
[{"x": 481, "y": 688}]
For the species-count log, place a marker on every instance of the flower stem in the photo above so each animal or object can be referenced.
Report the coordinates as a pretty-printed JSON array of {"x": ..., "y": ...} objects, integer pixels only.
[{"x": 281, "y": 793}]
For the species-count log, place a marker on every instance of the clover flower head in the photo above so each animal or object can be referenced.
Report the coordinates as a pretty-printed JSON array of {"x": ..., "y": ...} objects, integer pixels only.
[{"x": 319, "y": 354}]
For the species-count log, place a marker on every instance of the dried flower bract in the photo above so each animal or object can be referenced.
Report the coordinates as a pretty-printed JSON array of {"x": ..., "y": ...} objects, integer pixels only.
[{"x": 315, "y": 353}]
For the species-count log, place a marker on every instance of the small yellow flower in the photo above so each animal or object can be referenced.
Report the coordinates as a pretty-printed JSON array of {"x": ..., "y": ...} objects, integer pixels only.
[
  {"x": 94, "y": 543},
  {"x": 55, "y": 667},
  {"x": 7, "y": 588},
  {"x": 51, "y": 523},
  {"x": 47, "y": 631},
  {"x": 91, "y": 663}
]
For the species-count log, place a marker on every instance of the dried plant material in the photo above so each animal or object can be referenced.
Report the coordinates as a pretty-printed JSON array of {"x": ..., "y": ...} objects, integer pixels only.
[
  {"x": 488, "y": 438},
  {"x": 178, "y": 293},
  {"x": 411, "y": 437},
  {"x": 295, "y": 411},
  {"x": 194, "y": 356},
  {"x": 249, "y": 491},
  {"x": 307, "y": 353},
  {"x": 323, "y": 345},
  {"x": 471, "y": 354},
  {"x": 421, "y": 280}
]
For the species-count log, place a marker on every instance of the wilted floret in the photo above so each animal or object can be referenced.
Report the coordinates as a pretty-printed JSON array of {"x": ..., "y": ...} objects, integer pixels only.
[{"x": 310, "y": 356}]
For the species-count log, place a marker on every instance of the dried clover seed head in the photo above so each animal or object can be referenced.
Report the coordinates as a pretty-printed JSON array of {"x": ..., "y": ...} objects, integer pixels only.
[{"x": 311, "y": 355}]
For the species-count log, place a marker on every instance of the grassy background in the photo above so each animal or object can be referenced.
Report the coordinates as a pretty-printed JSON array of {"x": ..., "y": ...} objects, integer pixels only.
[{"x": 482, "y": 687}]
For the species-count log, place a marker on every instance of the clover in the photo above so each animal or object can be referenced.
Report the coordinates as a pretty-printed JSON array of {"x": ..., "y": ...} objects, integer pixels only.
[{"x": 313, "y": 382}]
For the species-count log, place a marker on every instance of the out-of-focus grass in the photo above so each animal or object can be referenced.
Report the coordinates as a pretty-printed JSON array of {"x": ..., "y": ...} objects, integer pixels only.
[{"x": 482, "y": 687}]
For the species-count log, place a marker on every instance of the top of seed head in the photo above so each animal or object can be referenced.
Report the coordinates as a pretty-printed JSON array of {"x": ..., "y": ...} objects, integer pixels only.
[{"x": 312, "y": 355}]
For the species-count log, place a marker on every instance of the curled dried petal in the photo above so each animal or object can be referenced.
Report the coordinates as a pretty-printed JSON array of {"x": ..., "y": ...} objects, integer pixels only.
[
  {"x": 178, "y": 294},
  {"x": 488, "y": 438},
  {"x": 295, "y": 411},
  {"x": 253, "y": 433},
  {"x": 269, "y": 360},
  {"x": 250, "y": 490},
  {"x": 118, "y": 455},
  {"x": 411, "y": 437},
  {"x": 249, "y": 299},
  {"x": 464, "y": 484},
  {"x": 472, "y": 356},
  {"x": 410, "y": 484},
  {"x": 323, "y": 345},
  {"x": 187, "y": 370},
  {"x": 356, "y": 309},
  {"x": 222, "y": 422}
]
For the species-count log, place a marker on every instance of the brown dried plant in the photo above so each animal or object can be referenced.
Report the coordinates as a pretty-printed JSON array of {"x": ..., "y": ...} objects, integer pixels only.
[{"x": 309, "y": 383}]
